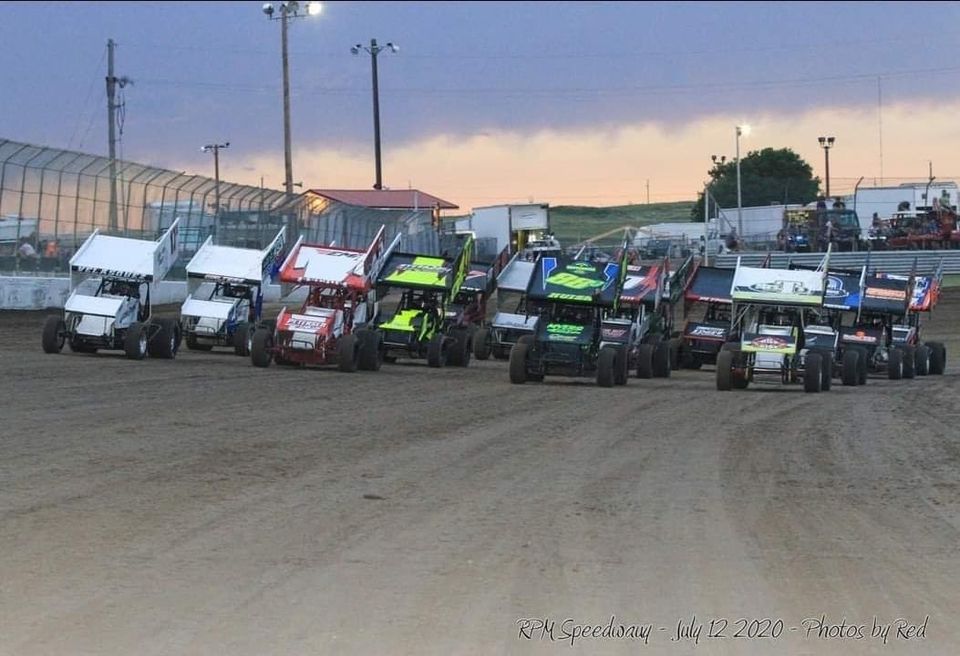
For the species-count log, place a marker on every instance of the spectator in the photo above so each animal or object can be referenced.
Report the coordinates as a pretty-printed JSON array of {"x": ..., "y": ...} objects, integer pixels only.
[
  {"x": 821, "y": 203},
  {"x": 26, "y": 251},
  {"x": 838, "y": 203},
  {"x": 52, "y": 249}
]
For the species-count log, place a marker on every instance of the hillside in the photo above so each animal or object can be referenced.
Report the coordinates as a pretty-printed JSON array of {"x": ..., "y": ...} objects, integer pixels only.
[{"x": 572, "y": 223}]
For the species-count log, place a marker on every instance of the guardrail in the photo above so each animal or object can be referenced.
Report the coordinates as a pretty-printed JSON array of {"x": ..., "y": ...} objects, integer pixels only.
[{"x": 886, "y": 261}]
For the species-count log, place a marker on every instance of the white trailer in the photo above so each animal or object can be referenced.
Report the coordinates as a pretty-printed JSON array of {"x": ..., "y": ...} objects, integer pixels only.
[
  {"x": 884, "y": 201},
  {"x": 511, "y": 225}
]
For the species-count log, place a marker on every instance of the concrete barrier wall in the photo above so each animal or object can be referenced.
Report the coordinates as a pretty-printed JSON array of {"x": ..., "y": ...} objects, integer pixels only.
[{"x": 26, "y": 293}]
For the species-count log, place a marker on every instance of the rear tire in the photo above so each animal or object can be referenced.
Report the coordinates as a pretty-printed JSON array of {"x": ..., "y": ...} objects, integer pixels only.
[
  {"x": 606, "y": 366},
  {"x": 518, "y": 362},
  {"x": 135, "y": 341},
  {"x": 371, "y": 349},
  {"x": 261, "y": 354},
  {"x": 895, "y": 365},
  {"x": 163, "y": 344},
  {"x": 645, "y": 361},
  {"x": 436, "y": 352},
  {"x": 460, "y": 351},
  {"x": 813, "y": 373},
  {"x": 826, "y": 370},
  {"x": 53, "y": 336},
  {"x": 481, "y": 344},
  {"x": 938, "y": 358},
  {"x": 348, "y": 353},
  {"x": 243, "y": 339},
  {"x": 661, "y": 360},
  {"x": 621, "y": 367},
  {"x": 850, "y": 372},
  {"x": 725, "y": 371},
  {"x": 676, "y": 350},
  {"x": 922, "y": 362},
  {"x": 909, "y": 361}
]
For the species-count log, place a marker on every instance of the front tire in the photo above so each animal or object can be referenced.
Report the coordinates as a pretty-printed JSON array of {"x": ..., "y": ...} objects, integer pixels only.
[
  {"x": 813, "y": 373},
  {"x": 481, "y": 344},
  {"x": 922, "y": 364},
  {"x": 606, "y": 366},
  {"x": 347, "y": 353},
  {"x": 850, "y": 373},
  {"x": 725, "y": 371},
  {"x": 895, "y": 365},
  {"x": 135, "y": 341},
  {"x": 54, "y": 334},
  {"x": 645, "y": 361},
  {"x": 243, "y": 339},
  {"x": 518, "y": 362},
  {"x": 436, "y": 352},
  {"x": 371, "y": 349},
  {"x": 938, "y": 358},
  {"x": 661, "y": 360},
  {"x": 261, "y": 354}
]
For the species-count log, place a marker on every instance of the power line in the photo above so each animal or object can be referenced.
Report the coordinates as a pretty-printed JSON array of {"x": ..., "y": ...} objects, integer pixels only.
[{"x": 93, "y": 81}]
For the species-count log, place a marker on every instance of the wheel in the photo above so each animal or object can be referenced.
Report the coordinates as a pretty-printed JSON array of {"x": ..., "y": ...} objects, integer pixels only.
[
  {"x": 862, "y": 366},
  {"x": 895, "y": 365},
  {"x": 437, "y": 352},
  {"x": 676, "y": 349},
  {"x": 243, "y": 338},
  {"x": 813, "y": 373},
  {"x": 622, "y": 367},
  {"x": 922, "y": 365},
  {"x": 261, "y": 352},
  {"x": 518, "y": 362},
  {"x": 481, "y": 344},
  {"x": 194, "y": 345},
  {"x": 348, "y": 353},
  {"x": 725, "y": 371},
  {"x": 909, "y": 361},
  {"x": 78, "y": 346},
  {"x": 645, "y": 361},
  {"x": 740, "y": 381},
  {"x": 371, "y": 349},
  {"x": 53, "y": 334},
  {"x": 163, "y": 343},
  {"x": 459, "y": 355},
  {"x": 850, "y": 371},
  {"x": 606, "y": 366},
  {"x": 730, "y": 346},
  {"x": 826, "y": 370},
  {"x": 135, "y": 341},
  {"x": 938, "y": 358},
  {"x": 661, "y": 360}
]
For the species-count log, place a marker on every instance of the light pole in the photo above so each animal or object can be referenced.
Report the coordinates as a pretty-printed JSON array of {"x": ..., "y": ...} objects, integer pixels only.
[
  {"x": 741, "y": 130},
  {"x": 374, "y": 50},
  {"x": 826, "y": 143},
  {"x": 287, "y": 10},
  {"x": 215, "y": 149}
]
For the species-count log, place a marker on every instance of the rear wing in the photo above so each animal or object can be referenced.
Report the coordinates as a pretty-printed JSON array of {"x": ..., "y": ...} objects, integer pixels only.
[
  {"x": 317, "y": 265},
  {"x": 710, "y": 285},
  {"x": 676, "y": 282},
  {"x": 642, "y": 285},
  {"x": 887, "y": 294},
  {"x": 516, "y": 275},
  {"x": 565, "y": 280},
  {"x": 482, "y": 276},
  {"x": 136, "y": 260},
  {"x": 428, "y": 272},
  {"x": 245, "y": 266},
  {"x": 926, "y": 289},
  {"x": 797, "y": 287}
]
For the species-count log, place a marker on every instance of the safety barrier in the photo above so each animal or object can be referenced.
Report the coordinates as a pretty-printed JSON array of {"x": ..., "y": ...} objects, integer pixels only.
[{"x": 886, "y": 261}]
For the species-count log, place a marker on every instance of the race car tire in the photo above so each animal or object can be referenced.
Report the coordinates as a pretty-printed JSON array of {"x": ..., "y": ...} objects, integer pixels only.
[
  {"x": 813, "y": 373},
  {"x": 922, "y": 360},
  {"x": 621, "y": 367},
  {"x": 518, "y": 362},
  {"x": 460, "y": 352},
  {"x": 676, "y": 350},
  {"x": 135, "y": 341},
  {"x": 938, "y": 358},
  {"x": 909, "y": 361},
  {"x": 606, "y": 366},
  {"x": 53, "y": 334},
  {"x": 194, "y": 345},
  {"x": 163, "y": 343},
  {"x": 243, "y": 339},
  {"x": 260, "y": 354},
  {"x": 661, "y": 360},
  {"x": 481, "y": 344},
  {"x": 645, "y": 361},
  {"x": 437, "y": 352},
  {"x": 725, "y": 371},
  {"x": 895, "y": 365},
  {"x": 863, "y": 367},
  {"x": 348, "y": 353},
  {"x": 730, "y": 346},
  {"x": 826, "y": 370},
  {"x": 740, "y": 381},
  {"x": 850, "y": 371},
  {"x": 371, "y": 349}
]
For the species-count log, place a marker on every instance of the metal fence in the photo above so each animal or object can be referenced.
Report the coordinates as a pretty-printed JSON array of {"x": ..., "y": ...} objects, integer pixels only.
[
  {"x": 901, "y": 262},
  {"x": 52, "y": 199}
]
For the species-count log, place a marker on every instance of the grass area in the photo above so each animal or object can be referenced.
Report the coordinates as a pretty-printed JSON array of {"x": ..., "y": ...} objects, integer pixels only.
[
  {"x": 951, "y": 280},
  {"x": 572, "y": 224}
]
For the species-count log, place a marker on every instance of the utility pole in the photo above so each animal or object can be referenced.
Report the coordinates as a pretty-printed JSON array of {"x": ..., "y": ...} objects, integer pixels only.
[
  {"x": 374, "y": 50},
  {"x": 215, "y": 149},
  {"x": 648, "y": 191},
  {"x": 112, "y": 83}
]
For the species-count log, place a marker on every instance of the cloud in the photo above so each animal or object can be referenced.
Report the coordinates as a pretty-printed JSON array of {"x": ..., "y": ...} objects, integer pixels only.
[{"x": 611, "y": 165}]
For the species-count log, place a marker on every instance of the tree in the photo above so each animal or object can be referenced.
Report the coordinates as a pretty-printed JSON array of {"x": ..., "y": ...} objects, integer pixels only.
[{"x": 768, "y": 176}]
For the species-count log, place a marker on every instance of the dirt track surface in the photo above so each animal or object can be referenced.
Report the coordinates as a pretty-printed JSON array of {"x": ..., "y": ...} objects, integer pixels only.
[{"x": 202, "y": 506}]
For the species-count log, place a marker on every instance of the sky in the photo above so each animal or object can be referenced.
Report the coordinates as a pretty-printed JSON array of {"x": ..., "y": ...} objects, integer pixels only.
[{"x": 592, "y": 103}]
